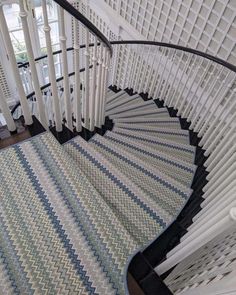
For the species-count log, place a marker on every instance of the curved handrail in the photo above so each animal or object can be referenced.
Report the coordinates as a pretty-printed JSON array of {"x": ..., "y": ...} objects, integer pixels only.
[
  {"x": 178, "y": 47},
  {"x": 80, "y": 17}
]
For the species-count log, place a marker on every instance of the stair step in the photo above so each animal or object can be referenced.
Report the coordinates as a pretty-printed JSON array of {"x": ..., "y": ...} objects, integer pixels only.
[
  {"x": 158, "y": 122},
  {"x": 111, "y": 96},
  {"x": 58, "y": 215},
  {"x": 182, "y": 151},
  {"x": 167, "y": 192},
  {"x": 122, "y": 101},
  {"x": 138, "y": 105},
  {"x": 140, "y": 215},
  {"x": 170, "y": 165},
  {"x": 147, "y": 112},
  {"x": 179, "y": 136}
]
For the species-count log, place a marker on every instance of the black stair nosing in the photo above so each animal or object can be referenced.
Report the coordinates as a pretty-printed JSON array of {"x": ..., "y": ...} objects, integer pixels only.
[
  {"x": 147, "y": 279},
  {"x": 114, "y": 88}
]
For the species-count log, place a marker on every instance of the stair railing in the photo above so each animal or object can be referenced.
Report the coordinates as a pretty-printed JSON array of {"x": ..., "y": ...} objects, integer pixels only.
[
  {"x": 89, "y": 102},
  {"x": 202, "y": 90}
]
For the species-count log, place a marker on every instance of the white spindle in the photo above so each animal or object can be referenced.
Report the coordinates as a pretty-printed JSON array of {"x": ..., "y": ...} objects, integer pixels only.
[
  {"x": 184, "y": 250},
  {"x": 66, "y": 86},
  {"x": 102, "y": 87},
  {"x": 160, "y": 52},
  {"x": 77, "y": 91},
  {"x": 144, "y": 71},
  {"x": 7, "y": 113},
  {"x": 183, "y": 73},
  {"x": 15, "y": 71},
  {"x": 204, "y": 105},
  {"x": 219, "y": 97},
  {"x": 220, "y": 127},
  {"x": 30, "y": 54},
  {"x": 107, "y": 63},
  {"x": 98, "y": 92},
  {"x": 87, "y": 79},
  {"x": 51, "y": 69},
  {"x": 218, "y": 206},
  {"x": 94, "y": 87}
]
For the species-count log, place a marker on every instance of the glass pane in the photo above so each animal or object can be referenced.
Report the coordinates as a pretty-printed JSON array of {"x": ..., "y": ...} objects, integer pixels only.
[{"x": 13, "y": 20}]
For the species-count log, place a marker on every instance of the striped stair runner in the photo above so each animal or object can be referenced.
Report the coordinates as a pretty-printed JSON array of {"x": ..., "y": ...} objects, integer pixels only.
[
  {"x": 179, "y": 136},
  {"x": 57, "y": 234},
  {"x": 72, "y": 216},
  {"x": 164, "y": 190},
  {"x": 141, "y": 216},
  {"x": 172, "y": 166},
  {"x": 184, "y": 152}
]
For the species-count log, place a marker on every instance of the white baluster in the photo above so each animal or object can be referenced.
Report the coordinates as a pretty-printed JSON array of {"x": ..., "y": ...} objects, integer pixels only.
[
  {"x": 144, "y": 72},
  {"x": 115, "y": 64},
  {"x": 198, "y": 115},
  {"x": 214, "y": 129},
  {"x": 15, "y": 70},
  {"x": 197, "y": 103},
  {"x": 51, "y": 69},
  {"x": 183, "y": 72},
  {"x": 30, "y": 54},
  {"x": 156, "y": 73},
  {"x": 66, "y": 86},
  {"x": 151, "y": 71},
  {"x": 98, "y": 92},
  {"x": 162, "y": 80},
  {"x": 86, "y": 101},
  {"x": 184, "y": 250},
  {"x": 219, "y": 98},
  {"x": 169, "y": 95},
  {"x": 7, "y": 113},
  {"x": 166, "y": 83},
  {"x": 212, "y": 100},
  {"x": 105, "y": 86},
  {"x": 102, "y": 86},
  {"x": 77, "y": 91},
  {"x": 140, "y": 65},
  {"x": 94, "y": 87}
]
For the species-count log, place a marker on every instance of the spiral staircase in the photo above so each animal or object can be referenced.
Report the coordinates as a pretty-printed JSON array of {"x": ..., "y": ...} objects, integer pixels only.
[{"x": 126, "y": 189}]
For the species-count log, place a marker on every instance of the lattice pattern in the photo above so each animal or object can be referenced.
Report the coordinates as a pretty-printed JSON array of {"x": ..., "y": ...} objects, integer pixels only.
[
  {"x": 3, "y": 83},
  {"x": 206, "y": 25},
  {"x": 212, "y": 263}
]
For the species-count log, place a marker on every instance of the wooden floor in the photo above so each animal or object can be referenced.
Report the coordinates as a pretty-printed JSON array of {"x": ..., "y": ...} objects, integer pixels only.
[{"x": 133, "y": 287}]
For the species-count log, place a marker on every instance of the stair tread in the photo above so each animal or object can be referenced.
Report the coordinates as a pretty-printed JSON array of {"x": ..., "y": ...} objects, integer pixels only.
[
  {"x": 158, "y": 122},
  {"x": 138, "y": 105},
  {"x": 122, "y": 101},
  {"x": 142, "y": 217},
  {"x": 111, "y": 96},
  {"x": 147, "y": 112},
  {"x": 170, "y": 165},
  {"x": 156, "y": 184},
  {"x": 185, "y": 152},
  {"x": 55, "y": 199},
  {"x": 181, "y": 136}
]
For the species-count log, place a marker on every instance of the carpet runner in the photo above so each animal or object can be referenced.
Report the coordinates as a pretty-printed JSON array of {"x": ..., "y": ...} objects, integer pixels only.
[
  {"x": 72, "y": 216},
  {"x": 57, "y": 234}
]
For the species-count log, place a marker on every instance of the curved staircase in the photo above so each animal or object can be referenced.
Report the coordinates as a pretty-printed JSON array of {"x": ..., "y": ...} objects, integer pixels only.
[{"x": 99, "y": 201}]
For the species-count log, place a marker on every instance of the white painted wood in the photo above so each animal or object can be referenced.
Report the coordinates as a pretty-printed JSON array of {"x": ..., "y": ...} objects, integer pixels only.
[
  {"x": 51, "y": 69},
  {"x": 77, "y": 82},
  {"x": 15, "y": 71},
  {"x": 66, "y": 86},
  {"x": 6, "y": 113},
  {"x": 87, "y": 79},
  {"x": 184, "y": 250}
]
